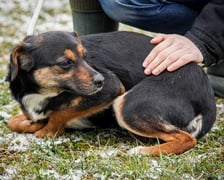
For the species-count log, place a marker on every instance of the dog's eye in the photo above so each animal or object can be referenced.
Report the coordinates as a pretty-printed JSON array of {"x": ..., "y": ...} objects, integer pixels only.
[{"x": 65, "y": 63}]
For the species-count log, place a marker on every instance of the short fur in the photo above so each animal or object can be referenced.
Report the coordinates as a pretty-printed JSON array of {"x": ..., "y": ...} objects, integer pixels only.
[{"x": 56, "y": 88}]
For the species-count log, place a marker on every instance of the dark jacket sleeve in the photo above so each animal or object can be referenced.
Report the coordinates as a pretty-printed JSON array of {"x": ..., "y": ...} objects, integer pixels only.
[{"x": 207, "y": 32}]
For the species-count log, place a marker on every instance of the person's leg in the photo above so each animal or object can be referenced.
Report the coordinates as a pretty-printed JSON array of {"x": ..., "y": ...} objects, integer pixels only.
[
  {"x": 153, "y": 15},
  {"x": 216, "y": 77},
  {"x": 88, "y": 17},
  {"x": 174, "y": 16}
]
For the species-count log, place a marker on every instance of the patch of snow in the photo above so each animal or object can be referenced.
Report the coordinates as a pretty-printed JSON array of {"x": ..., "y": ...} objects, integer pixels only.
[
  {"x": 4, "y": 115},
  {"x": 57, "y": 4},
  {"x": 107, "y": 153},
  {"x": 187, "y": 176},
  {"x": 220, "y": 107},
  {"x": 73, "y": 174},
  {"x": 8, "y": 174},
  {"x": 23, "y": 142},
  {"x": 100, "y": 176},
  {"x": 46, "y": 144},
  {"x": 155, "y": 169},
  {"x": 60, "y": 20},
  {"x": 20, "y": 143},
  {"x": 76, "y": 174}
]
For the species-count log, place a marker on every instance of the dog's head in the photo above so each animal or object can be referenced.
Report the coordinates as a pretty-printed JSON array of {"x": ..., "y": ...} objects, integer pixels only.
[{"x": 55, "y": 61}]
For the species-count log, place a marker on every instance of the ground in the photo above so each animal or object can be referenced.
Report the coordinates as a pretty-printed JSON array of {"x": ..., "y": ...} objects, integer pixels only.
[{"x": 97, "y": 154}]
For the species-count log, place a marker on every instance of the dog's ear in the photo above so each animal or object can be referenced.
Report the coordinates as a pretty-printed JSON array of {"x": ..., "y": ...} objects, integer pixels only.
[
  {"x": 80, "y": 47},
  {"x": 19, "y": 59},
  {"x": 75, "y": 34}
]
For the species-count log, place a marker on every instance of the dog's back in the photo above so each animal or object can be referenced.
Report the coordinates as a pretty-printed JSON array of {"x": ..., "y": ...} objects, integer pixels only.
[
  {"x": 182, "y": 98},
  {"x": 120, "y": 52},
  {"x": 180, "y": 92}
]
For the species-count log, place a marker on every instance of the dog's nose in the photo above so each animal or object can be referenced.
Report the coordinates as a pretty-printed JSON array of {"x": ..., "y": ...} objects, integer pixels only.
[{"x": 98, "y": 80}]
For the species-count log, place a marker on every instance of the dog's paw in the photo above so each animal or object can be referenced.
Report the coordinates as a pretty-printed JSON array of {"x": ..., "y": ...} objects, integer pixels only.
[
  {"x": 45, "y": 132},
  {"x": 21, "y": 124},
  {"x": 136, "y": 150}
]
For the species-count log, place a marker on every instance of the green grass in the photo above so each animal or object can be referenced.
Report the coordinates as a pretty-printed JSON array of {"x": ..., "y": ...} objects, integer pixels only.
[{"x": 96, "y": 154}]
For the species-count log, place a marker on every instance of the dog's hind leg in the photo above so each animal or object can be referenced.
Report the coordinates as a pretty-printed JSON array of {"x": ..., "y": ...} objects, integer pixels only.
[
  {"x": 136, "y": 120},
  {"x": 175, "y": 143},
  {"x": 21, "y": 124}
]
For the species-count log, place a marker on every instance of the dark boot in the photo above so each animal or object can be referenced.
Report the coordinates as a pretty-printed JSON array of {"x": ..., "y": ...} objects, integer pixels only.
[
  {"x": 89, "y": 18},
  {"x": 216, "y": 78}
]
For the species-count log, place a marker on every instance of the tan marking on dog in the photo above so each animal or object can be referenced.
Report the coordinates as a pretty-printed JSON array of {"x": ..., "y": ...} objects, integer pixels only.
[
  {"x": 118, "y": 107},
  {"x": 46, "y": 76},
  {"x": 54, "y": 91},
  {"x": 58, "y": 119},
  {"x": 83, "y": 74},
  {"x": 73, "y": 104},
  {"x": 70, "y": 54},
  {"x": 80, "y": 50},
  {"x": 122, "y": 89},
  {"x": 176, "y": 142},
  {"x": 78, "y": 38},
  {"x": 22, "y": 124}
]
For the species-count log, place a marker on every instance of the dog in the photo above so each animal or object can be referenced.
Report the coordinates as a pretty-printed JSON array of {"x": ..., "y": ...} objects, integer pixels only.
[{"x": 62, "y": 80}]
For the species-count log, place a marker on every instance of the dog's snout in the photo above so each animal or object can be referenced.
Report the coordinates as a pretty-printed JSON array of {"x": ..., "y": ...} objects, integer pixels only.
[{"x": 98, "y": 80}]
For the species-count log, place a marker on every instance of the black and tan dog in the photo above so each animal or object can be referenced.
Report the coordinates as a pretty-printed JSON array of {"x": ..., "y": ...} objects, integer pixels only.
[{"x": 61, "y": 80}]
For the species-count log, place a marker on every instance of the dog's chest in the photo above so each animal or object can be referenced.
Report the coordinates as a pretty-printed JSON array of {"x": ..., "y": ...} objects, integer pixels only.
[{"x": 35, "y": 104}]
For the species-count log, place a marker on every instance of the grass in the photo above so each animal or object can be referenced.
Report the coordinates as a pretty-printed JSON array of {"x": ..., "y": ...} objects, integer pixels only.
[{"x": 96, "y": 154}]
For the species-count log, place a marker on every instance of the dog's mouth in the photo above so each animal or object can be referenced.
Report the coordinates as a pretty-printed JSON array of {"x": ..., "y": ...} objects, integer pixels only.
[
  {"x": 90, "y": 91},
  {"x": 83, "y": 90},
  {"x": 85, "y": 87}
]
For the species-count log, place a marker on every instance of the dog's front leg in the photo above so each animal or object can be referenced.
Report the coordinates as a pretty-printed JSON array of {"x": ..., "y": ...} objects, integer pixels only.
[
  {"x": 56, "y": 124},
  {"x": 22, "y": 124}
]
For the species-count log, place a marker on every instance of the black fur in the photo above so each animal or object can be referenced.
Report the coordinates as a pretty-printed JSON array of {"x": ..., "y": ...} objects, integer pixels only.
[
  {"x": 170, "y": 98},
  {"x": 178, "y": 96}
]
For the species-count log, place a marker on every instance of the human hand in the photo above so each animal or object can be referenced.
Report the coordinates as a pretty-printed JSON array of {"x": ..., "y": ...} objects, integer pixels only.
[{"x": 171, "y": 52}]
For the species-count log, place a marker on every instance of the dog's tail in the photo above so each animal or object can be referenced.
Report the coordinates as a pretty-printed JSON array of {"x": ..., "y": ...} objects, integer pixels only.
[
  {"x": 201, "y": 124},
  {"x": 195, "y": 126}
]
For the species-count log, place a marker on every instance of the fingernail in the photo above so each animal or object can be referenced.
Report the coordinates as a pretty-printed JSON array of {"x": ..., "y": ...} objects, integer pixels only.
[
  {"x": 170, "y": 68},
  {"x": 144, "y": 64},
  {"x": 147, "y": 71},
  {"x": 155, "y": 72}
]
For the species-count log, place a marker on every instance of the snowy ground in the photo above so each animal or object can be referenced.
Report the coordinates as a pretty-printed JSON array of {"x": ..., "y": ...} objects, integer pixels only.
[
  {"x": 59, "y": 19},
  {"x": 15, "y": 16}
]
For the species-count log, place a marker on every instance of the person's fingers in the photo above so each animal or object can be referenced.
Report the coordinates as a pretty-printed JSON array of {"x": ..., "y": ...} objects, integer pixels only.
[
  {"x": 181, "y": 62},
  {"x": 158, "y": 60},
  {"x": 156, "y": 56},
  {"x": 158, "y": 38},
  {"x": 172, "y": 58},
  {"x": 171, "y": 53}
]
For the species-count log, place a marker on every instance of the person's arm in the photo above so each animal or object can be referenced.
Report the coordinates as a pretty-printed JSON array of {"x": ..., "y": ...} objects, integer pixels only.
[
  {"x": 207, "y": 32},
  {"x": 204, "y": 42}
]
